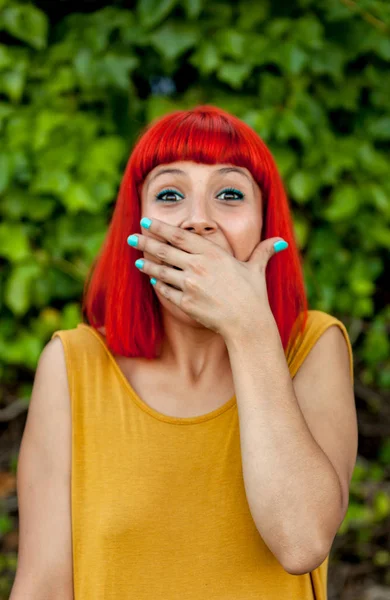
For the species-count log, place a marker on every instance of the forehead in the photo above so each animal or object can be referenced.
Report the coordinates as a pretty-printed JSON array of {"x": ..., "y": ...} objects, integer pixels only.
[{"x": 191, "y": 168}]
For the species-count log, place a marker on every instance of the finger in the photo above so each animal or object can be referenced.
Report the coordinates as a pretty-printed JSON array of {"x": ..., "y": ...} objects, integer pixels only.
[
  {"x": 264, "y": 251},
  {"x": 185, "y": 240},
  {"x": 169, "y": 293},
  {"x": 161, "y": 250},
  {"x": 164, "y": 273}
]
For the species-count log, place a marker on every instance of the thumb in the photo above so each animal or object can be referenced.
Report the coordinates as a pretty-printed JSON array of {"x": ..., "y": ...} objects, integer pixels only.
[{"x": 264, "y": 250}]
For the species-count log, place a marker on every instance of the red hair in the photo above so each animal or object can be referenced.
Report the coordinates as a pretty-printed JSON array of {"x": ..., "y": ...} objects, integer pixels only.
[{"x": 118, "y": 296}]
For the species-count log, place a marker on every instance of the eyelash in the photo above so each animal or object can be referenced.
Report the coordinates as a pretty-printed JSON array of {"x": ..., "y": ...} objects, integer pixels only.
[{"x": 159, "y": 196}]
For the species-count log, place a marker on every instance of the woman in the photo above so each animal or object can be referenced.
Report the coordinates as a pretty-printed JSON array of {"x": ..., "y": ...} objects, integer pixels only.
[{"x": 212, "y": 426}]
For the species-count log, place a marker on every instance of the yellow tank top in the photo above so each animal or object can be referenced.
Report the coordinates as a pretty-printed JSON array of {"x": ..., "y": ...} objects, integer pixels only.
[{"x": 158, "y": 502}]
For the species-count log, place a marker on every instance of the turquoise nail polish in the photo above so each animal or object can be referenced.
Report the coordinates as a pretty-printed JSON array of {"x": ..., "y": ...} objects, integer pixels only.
[
  {"x": 132, "y": 240},
  {"x": 280, "y": 245},
  {"x": 139, "y": 263},
  {"x": 153, "y": 281},
  {"x": 145, "y": 223}
]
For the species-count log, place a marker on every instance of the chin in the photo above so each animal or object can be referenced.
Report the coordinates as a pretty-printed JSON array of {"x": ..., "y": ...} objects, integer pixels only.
[{"x": 178, "y": 313}]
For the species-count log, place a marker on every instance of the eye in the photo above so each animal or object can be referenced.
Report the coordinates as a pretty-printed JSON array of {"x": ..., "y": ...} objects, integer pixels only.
[
  {"x": 167, "y": 192},
  {"x": 231, "y": 192},
  {"x": 168, "y": 195}
]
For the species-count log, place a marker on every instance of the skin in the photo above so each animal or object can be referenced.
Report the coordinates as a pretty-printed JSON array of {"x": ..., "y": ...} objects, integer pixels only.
[{"x": 233, "y": 223}]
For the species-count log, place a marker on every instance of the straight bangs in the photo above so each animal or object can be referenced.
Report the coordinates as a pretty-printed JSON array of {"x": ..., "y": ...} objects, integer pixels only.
[
  {"x": 118, "y": 297},
  {"x": 205, "y": 135}
]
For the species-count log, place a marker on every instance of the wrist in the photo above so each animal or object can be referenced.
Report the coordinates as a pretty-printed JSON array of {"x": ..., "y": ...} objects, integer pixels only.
[{"x": 248, "y": 330}]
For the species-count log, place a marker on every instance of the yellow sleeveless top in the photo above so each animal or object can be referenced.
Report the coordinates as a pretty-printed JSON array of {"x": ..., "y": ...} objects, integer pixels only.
[{"x": 158, "y": 502}]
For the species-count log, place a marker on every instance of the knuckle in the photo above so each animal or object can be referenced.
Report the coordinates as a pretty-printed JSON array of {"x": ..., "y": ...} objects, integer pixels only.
[
  {"x": 197, "y": 266},
  {"x": 162, "y": 252},
  {"x": 165, "y": 291},
  {"x": 178, "y": 238},
  {"x": 191, "y": 283},
  {"x": 162, "y": 272},
  {"x": 186, "y": 302}
]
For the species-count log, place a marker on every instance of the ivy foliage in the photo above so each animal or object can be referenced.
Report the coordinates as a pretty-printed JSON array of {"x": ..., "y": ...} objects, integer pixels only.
[{"x": 311, "y": 77}]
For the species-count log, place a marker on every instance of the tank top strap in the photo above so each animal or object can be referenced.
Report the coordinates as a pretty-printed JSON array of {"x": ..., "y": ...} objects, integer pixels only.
[
  {"x": 317, "y": 323},
  {"x": 85, "y": 357}
]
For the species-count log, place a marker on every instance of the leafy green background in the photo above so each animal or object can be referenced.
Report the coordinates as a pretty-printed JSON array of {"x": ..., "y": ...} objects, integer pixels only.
[{"x": 310, "y": 76}]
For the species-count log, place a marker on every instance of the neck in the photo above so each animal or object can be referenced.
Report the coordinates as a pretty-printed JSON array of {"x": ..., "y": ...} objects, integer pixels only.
[{"x": 193, "y": 351}]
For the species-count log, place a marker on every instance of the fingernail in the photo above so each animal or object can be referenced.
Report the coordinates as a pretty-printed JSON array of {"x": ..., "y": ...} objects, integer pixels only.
[
  {"x": 153, "y": 281},
  {"x": 132, "y": 240},
  {"x": 280, "y": 245},
  {"x": 139, "y": 263},
  {"x": 145, "y": 223}
]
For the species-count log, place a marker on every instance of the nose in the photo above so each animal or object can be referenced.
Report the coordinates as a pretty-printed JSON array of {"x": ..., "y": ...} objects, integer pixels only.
[
  {"x": 199, "y": 222},
  {"x": 201, "y": 228}
]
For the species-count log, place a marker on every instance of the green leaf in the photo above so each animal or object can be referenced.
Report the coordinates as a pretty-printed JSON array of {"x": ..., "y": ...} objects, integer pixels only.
[
  {"x": 50, "y": 181},
  {"x": 6, "y": 524},
  {"x": 206, "y": 58},
  {"x": 172, "y": 39},
  {"x": 258, "y": 51},
  {"x": 378, "y": 197},
  {"x": 379, "y": 128},
  {"x": 308, "y": 30},
  {"x": 27, "y": 23},
  {"x": 382, "y": 47},
  {"x": 230, "y": 43},
  {"x": 18, "y": 287},
  {"x": 77, "y": 198},
  {"x": 329, "y": 60},
  {"x": 384, "y": 453},
  {"x": 290, "y": 126},
  {"x": 6, "y": 58},
  {"x": 14, "y": 244},
  {"x": 371, "y": 160},
  {"x": 272, "y": 89},
  {"x": 381, "y": 234},
  {"x": 234, "y": 73},
  {"x": 303, "y": 186},
  {"x": 252, "y": 13},
  {"x": 152, "y": 12},
  {"x": 192, "y": 8},
  {"x": 12, "y": 83},
  {"x": 158, "y": 106},
  {"x": 117, "y": 69},
  {"x": 360, "y": 515},
  {"x": 362, "y": 287},
  {"x": 277, "y": 28},
  {"x": 265, "y": 122},
  {"x": 47, "y": 121},
  {"x": 344, "y": 204},
  {"x": 376, "y": 344},
  {"x": 290, "y": 58},
  {"x": 381, "y": 558},
  {"x": 301, "y": 230},
  {"x": 285, "y": 158},
  {"x": 103, "y": 157},
  {"x": 381, "y": 505},
  {"x": 5, "y": 171}
]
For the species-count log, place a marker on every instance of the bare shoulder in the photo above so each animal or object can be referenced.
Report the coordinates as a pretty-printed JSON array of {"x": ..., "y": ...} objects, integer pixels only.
[
  {"x": 54, "y": 352},
  {"x": 43, "y": 483}
]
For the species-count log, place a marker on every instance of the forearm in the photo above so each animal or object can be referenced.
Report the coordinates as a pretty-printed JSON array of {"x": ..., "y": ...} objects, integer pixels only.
[{"x": 292, "y": 489}]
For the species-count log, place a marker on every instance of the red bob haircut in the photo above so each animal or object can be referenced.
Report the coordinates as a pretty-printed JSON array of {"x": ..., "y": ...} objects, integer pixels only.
[{"x": 120, "y": 298}]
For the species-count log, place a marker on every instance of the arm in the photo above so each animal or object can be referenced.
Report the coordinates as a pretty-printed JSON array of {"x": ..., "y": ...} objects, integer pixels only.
[
  {"x": 295, "y": 495},
  {"x": 44, "y": 570}
]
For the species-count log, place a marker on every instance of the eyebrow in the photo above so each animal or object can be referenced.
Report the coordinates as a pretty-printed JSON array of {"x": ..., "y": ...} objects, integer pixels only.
[{"x": 223, "y": 171}]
